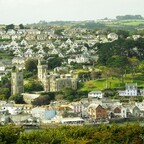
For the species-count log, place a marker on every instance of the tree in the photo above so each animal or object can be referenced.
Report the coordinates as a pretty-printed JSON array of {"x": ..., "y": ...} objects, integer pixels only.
[
  {"x": 95, "y": 74},
  {"x": 33, "y": 86},
  {"x": 123, "y": 33},
  {"x": 11, "y": 26},
  {"x": 119, "y": 65},
  {"x": 106, "y": 73},
  {"x": 5, "y": 92},
  {"x": 141, "y": 66},
  {"x": 118, "y": 61},
  {"x": 128, "y": 17},
  {"x": 10, "y": 134},
  {"x": 133, "y": 63},
  {"x": 59, "y": 97},
  {"x": 31, "y": 65},
  {"x": 21, "y": 26},
  {"x": 17, "y": 98},
  {"x": 59, "y": 31},
  {"x": 54, "y": 62},
  {"x": 69, "y": 94},
  {"x": 5, "y": 81}
]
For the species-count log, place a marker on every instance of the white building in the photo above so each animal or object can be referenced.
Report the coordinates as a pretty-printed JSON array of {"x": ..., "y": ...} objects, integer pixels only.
[
  {"x": 140, "y": 105},
  {"x": 2, "y": 68},
  {"x": 95, "y": 94},
  {"x": 43, "y": 113},
  {"x": 131, "y": 90},
  {"x": 78, "y": 59}
]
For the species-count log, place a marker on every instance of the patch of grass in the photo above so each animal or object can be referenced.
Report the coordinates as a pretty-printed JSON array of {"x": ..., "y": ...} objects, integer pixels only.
[
  {"x": 130, "y": 24},
  {"x": 100, "y": 84}
]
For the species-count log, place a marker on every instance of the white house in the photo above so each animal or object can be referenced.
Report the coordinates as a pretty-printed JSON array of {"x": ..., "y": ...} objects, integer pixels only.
[
  {"x": 140, "y": 105},
  {"x": 124, "y": 112},
  {"x": 18, "y": 60},
  {"x": 68, "y": 41},
  {"x": 2, "y": 68},
  {"x": 11, "y": 32},
  {"x": 129, "y": 111},
  {"x": 29, "y": 53},
  {"x": 131, "y": 90},
  {"x": 95, "y": 94},
  {"x": 33, "y": 31},
  {"x": 71, "y": 50},
  {"x": 43, "y": 113},
  {"x": 112, "y": 36},
  {"x": 80, "y": 58},
  {"x": 24, "y": 42}
]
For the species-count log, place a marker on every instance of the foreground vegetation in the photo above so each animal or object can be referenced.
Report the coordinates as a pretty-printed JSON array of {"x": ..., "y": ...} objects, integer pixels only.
[{"x": 104, "y": 134}]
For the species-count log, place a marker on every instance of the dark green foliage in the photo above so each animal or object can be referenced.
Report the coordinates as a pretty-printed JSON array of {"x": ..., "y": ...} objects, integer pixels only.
[
  {"x": 9, "y": 134},
  {"x": 17, "y": 98},
  {"x": 69, "y": 94},
  {"x": 73, "y": 95},
  {"x": 54, "y": 62},
  {"x": 4, "y": 40},
  {"x": 118, "y": 61},
  {"x": 10, "y": 26},
  {"x": 27, "y": 74},
  {"x": 21, "y": 26},
  {"x": 44, "y": 99},
  {"x": 4, "y": 93},
  {"x": 88, "y": 134},
  {"x": 5, "y": 87},
  {"x": 33, "y": 86},
  {"x": 31, "y": 65},
  {"x": 109, "y": 92},
  {"x": 76, "y": 65},
  {"x": 128, "y": 17},
  {"x": 117, "y": 53},
  {"x": 59, "y": 31}
]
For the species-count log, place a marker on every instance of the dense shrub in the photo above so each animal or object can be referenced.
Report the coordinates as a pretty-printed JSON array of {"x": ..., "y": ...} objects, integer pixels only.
[{"x": 88, "y": 134}]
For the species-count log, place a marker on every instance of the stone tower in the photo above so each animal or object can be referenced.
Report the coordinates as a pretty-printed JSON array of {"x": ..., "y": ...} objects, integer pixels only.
[
  {"x": 17, "y": 83},
  {"x": 46, "y": 83},
  {"x": 42, "y": 70}
]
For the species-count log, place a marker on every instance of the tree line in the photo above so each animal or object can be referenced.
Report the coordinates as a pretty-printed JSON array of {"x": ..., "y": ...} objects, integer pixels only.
[
  {"x": 87, "y": 134},
  {"x": 129, "y": 17}
]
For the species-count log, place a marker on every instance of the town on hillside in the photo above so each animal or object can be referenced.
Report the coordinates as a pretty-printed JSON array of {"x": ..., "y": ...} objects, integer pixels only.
[{"x": 63, "y": 74}]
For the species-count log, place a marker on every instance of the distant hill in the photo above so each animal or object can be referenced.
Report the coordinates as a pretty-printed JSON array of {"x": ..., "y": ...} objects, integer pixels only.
[
  {"x": 129, "y": 17},
  {"x": 126, "y": 22}
]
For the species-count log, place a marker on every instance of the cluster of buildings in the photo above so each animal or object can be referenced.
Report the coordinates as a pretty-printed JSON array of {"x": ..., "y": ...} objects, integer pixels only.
[
  {"x": 131, "y": 90},
  {"x": 51, "y": 81},
  {"x": 74, "y": 46},
  {"x": 86, "y": 110}
]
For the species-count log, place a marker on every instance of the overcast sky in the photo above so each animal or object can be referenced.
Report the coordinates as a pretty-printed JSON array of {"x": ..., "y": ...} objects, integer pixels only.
[{"x": 30, "y": 11}]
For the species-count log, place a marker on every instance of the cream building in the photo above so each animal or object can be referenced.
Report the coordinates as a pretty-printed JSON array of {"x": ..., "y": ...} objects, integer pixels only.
[
  {"x": 54, "y": 82},
  {"x": 17, "y": 83}
]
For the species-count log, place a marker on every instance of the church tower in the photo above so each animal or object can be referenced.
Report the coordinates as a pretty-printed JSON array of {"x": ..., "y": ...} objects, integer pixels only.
[
  {"x": 17, "y": 83},
  {"x": 42, "y": 70}
]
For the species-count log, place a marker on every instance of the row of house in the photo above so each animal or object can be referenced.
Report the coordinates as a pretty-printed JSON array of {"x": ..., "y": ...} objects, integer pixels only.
[
  {"x": 131, "y": 89},
  {"x": 96, "y": 110}
]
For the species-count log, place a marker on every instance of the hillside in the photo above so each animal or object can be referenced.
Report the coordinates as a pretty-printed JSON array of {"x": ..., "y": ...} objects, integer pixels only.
[{"x": 114, "y": 83}]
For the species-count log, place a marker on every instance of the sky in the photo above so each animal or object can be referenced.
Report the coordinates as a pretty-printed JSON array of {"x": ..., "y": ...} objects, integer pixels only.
[{"x": 31, "y": 11}]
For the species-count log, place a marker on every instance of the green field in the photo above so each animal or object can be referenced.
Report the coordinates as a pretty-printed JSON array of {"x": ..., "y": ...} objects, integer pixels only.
[
  {"x": 126, "y": 23},
  {"x": 102, "y": 84}
]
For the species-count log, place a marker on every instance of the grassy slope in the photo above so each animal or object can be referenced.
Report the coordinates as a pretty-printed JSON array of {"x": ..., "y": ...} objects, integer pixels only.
[
  {"x": 126, "y": 23},
  {"x": 112, "y": 83}
]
